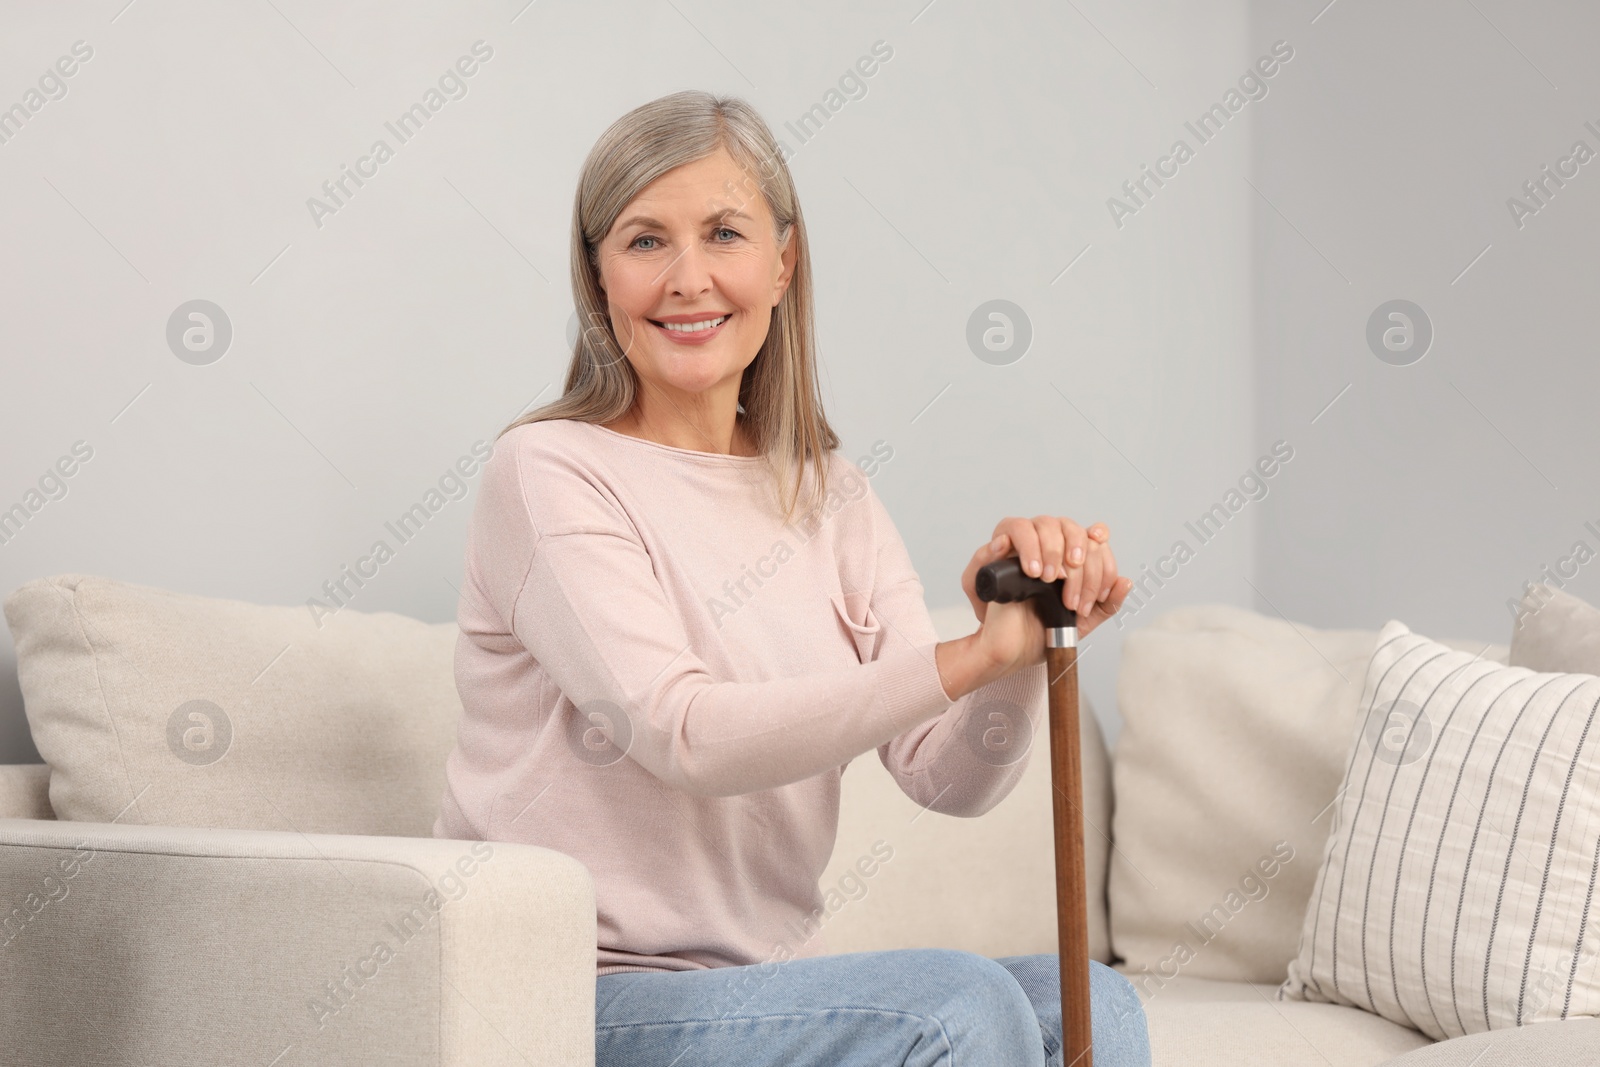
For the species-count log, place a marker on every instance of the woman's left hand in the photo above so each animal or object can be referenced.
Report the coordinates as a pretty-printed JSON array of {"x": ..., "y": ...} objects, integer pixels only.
[{"x": 1050, "y": 547}]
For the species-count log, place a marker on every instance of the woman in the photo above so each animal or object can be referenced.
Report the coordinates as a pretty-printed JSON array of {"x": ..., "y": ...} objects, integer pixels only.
[{"x": 685, "y": 613}]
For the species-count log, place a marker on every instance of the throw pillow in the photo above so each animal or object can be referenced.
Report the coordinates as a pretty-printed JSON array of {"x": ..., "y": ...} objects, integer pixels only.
[{"x": 1456, "y": 893}]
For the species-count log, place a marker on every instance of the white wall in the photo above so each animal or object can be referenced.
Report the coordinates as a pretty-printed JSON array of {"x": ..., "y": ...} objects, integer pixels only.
[{"x": 369, "y": 352}]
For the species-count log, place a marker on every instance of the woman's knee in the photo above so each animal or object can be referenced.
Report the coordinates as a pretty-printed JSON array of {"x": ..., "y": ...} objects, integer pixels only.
[
  {"x": 1111, "y": 989},
  {"x": 966, "y": 972},
  {"x": 976, "y": 999},
  {"x": 1121, "y": 1034}
]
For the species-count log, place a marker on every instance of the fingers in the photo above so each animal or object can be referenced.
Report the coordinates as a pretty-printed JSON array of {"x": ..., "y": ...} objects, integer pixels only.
[
  {"x": 1119, "y": 592},
  {"x": 1108, "y": 571},
  {"x": 1116, "y": 587},
  {"x": 1050, "y": 547},
  {"x": 1053, "y": 545},
  {"x": 1076, "y": 550},
  {"x": 1024, "y": 539},
  {"x": 1120, "y": 588},
  {"x": 1077, "y": 542},
  {"x": 1093, "y": 572}
]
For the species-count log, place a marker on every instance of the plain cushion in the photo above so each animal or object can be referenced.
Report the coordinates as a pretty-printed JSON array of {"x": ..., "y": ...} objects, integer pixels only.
[
  {"x": 1570, "y": 1043},
  {"x": 164, "y": 708},
  {"x": 1556, "y": 631},
  {"x": 1199, "y": 1022},
  {"x": 1236, "y": 731}
]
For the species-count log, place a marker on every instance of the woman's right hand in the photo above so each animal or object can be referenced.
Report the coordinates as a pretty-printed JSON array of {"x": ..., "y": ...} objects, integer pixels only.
[{"x": 1011, "y": 637}]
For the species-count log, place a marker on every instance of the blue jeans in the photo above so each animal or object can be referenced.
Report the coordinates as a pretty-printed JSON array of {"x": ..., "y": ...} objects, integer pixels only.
[{"x": 915, "y": 1007}]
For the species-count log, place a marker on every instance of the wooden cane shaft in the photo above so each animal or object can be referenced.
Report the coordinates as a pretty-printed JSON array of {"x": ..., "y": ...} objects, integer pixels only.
[{"x": 1072, "y": 905}]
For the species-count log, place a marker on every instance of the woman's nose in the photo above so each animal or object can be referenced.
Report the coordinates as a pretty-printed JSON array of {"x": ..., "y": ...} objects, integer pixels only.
[{"x": 689, "y": 272}]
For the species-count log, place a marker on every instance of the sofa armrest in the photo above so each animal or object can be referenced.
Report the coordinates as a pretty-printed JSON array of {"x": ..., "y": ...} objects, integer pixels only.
[
  {"x": 25, "y": 791},
  {"x": 156, "y": 944}
]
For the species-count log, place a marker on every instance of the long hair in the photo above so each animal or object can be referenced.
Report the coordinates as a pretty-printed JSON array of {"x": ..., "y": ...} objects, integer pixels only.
[{"x": 778, "y": 393}]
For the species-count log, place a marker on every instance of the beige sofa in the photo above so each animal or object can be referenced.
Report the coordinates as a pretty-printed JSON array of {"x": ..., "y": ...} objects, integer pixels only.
[{"x": 231, "y": 909}]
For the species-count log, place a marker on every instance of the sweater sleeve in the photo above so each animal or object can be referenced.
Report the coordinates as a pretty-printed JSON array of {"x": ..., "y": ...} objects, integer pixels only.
[
  {"x": 568, "y": 572},
  {"x": 964, "y": 762}
]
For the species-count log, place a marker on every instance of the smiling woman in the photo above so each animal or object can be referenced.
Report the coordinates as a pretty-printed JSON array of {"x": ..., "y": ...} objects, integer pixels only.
[
  {"x": 692, "y": 250},
  {"x": 690, "y": 757}
]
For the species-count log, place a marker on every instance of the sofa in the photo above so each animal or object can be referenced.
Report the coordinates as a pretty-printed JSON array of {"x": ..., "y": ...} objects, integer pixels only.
[{"x": 242, "y": 870}]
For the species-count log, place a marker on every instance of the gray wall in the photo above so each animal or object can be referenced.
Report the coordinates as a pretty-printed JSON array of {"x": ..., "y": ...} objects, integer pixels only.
[
  {"x": 372, "y": 350},
  {"x": 1431, "y": 491}
]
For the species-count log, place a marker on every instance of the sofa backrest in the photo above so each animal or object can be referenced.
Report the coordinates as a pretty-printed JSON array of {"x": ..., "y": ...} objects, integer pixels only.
[
  {"x": 25, "y": 791},
  {"x": 163, "y": 708}
]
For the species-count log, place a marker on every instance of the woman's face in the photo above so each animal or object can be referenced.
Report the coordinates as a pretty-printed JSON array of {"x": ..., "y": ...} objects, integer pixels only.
[{"x": 696, "y": 246}]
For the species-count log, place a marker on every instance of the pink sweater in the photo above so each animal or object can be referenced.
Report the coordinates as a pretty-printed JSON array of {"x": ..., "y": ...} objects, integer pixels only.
[{"x": 728, "y": 666}]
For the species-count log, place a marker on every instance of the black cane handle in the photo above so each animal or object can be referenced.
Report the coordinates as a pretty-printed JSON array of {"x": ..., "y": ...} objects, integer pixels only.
[{"x": 1005, "y": 581}]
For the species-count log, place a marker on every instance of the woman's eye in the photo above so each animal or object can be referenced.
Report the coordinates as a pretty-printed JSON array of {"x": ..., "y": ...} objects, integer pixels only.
[{"x": 719, "y": 230}]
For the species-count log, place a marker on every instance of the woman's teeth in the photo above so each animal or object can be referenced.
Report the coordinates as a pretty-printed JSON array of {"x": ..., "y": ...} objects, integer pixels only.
[{"x": 693, "y": 327}]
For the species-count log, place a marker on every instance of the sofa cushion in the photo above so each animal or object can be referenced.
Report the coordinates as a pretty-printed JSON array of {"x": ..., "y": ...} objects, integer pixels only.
[
  {"x": 1456, "y": 893},
  {"x": 1555, "y": 631},
  {"x": 1236, "y": 728},
  {"x": 1573, "y": 1043},
  {"x": 1200, "y": 1022},
  {"x": 986, "y": 885},
  {"x": 164, "y": 708}
]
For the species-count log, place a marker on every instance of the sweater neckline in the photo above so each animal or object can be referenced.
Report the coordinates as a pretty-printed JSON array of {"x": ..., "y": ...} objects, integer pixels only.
[{"x": 709, "y": 457}]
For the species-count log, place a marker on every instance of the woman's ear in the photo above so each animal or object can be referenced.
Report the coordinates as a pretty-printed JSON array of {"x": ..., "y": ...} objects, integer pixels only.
[{"x": 787, "y": 256}]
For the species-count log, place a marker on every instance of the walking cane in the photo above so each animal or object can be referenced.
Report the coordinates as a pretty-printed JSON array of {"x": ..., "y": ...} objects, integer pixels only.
[{"x": 1004, "y": 581}]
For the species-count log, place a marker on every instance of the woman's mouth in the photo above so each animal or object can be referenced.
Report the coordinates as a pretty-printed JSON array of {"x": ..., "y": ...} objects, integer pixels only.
[{"x": 696, "y": 332}]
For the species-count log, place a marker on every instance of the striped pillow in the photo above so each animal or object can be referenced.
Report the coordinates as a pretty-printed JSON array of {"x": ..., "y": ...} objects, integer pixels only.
[{"x": 1457, "y": 888}]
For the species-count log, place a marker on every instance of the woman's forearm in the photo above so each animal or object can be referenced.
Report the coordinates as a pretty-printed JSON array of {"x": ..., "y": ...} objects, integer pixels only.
[{"x": 963, "y": 667}]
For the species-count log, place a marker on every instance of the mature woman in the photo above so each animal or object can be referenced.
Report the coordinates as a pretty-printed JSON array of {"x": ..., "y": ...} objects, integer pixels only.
[{"x": 684, "y": 613}]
